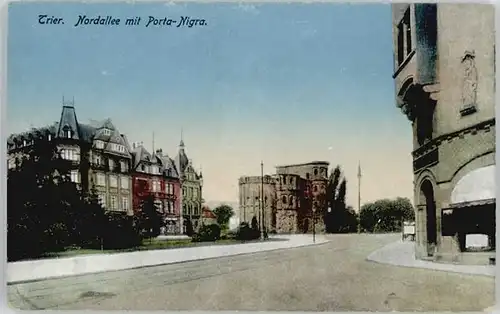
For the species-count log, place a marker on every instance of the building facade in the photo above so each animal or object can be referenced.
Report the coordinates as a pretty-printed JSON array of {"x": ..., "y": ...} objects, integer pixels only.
[
  {"x": 294, "y": 198},
  {"x": 250, "y": 190},
  {"x": 99, "y": 152},
  {"x": 302, "y": 197},
  {"x": 191, "y": 194},
  {"x": 154, "y": 175},
  {"x": 444, "y": 72}
]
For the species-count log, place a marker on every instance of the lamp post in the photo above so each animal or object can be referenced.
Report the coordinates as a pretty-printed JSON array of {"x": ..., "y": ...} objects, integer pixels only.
[{"x": 314, "y": 224}]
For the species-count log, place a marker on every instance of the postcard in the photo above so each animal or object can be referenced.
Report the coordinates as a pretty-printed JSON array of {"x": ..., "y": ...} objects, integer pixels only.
[{"x": 250, "y": 156}]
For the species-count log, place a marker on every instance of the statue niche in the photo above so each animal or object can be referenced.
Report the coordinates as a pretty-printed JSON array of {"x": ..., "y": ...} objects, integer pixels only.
[{"x": 469, "y": 84}]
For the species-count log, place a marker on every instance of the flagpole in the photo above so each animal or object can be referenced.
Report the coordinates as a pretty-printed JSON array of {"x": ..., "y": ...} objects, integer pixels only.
[
  {"x": 359, "y": 197},
  {"x": 262, "y": 198}
]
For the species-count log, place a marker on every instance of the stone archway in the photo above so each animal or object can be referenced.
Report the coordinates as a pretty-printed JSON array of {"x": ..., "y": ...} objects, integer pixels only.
[{"x": 427, "y": 191}]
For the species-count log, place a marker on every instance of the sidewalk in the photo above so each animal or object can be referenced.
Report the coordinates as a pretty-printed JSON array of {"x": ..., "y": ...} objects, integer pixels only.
[
  {"x": 403, "y": 254},
  {"x": 85, "y": 264}
]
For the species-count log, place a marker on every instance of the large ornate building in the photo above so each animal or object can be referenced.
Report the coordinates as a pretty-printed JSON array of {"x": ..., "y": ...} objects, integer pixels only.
[
  {"x": 100, "y": 155},
  {"x": 294, "y": 198},
  {"x": 155, "y": 175},
  {"x": 192, "y": 183},
  {"x": 444, "y": 72}
]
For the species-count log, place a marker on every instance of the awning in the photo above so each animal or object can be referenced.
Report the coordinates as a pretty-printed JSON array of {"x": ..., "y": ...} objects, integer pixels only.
[{"x": 478, "y": 186}]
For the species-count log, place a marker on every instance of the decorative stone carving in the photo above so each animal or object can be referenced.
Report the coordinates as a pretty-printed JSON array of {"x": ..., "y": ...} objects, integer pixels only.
[{"x": 469, "y": 83}]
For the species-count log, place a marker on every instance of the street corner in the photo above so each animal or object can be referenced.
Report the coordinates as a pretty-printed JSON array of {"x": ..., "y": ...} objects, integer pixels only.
[{"x": 402, "y": 253}]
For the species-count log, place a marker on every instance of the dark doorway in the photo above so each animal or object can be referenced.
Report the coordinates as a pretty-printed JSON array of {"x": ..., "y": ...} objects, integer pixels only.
[
  {"x": 305, "y": 226},
  {"x": 430, "y": 209}
]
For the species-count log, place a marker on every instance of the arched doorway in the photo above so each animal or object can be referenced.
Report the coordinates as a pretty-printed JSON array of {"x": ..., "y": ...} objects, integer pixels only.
[{"x": 430, "y": 213}]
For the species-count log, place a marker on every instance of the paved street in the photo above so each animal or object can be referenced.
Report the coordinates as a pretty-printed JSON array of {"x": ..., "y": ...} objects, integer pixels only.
[{"x": 330, "y": 277}]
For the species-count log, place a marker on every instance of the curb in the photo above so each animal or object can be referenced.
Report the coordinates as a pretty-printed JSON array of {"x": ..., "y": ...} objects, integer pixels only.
[
  {"x": 370, "y": 258},
  {"x": 17, "y": 282}
]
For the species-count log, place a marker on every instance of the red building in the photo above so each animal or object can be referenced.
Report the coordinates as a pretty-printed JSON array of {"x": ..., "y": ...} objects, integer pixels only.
[{"x": 155, "y": 175}]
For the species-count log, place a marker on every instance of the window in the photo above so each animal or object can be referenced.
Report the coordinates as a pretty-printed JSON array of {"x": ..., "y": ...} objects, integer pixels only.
[
  {"x": 283, "y": 199},
  {"x": 49, "y": 137},
  {"x": 70, "y": 154},
  {"x": 123, "y": 166},
  {"x": 107, "y": 132},
  {"x": 113, "y": 181},
  {"x": 99, "y": 144},
  {"x": 315, "y": 188},
  {"x": 291, "y": 180},
  {"x": 195, "y": 192},
  {"x": 111, "y": 164},
  {"x": 291, "y": 201},
  {"x": 24, "y": 143},
  {"x": 113, "y": 202},
  {"x": 124, "y": 182},
  {"x": 159, "y": 205},
  {"x": 101, "y": 179},
  {"x": 102, "y": 199},
  {"x": 97, "y": 160},
  {"x": 315, "y": 172},
  {"x": 74, "y": 176},
  {"x": 307, "y": 176},
  {"x": 68, "y": 133},
  {"x": 154, "y": 169},
  {"x": 404, "y": 38},
  {"x": 125, "y": 203},
  {"x": 143, "y": 168},
  {"x": 156, "y": 186}
]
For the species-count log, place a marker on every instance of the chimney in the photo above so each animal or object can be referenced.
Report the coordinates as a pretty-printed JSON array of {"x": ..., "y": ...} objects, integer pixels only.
[{"x": 133, "y": 145}]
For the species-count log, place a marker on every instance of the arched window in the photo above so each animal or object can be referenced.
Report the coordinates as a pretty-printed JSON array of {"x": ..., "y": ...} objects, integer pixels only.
[
  {"x": 283, "y": 199},
  {"x": 315, "y": 188},
  {"x": 291, "y": 201},
  {"x": 315, "y": 172}
]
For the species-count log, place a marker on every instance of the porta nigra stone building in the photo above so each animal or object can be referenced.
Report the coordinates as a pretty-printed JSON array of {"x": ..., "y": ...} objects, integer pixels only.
[
  {"x": 444, "y": 72},
  {"x": 251, "y": 202},
  {"x": 294, "y": 198}
]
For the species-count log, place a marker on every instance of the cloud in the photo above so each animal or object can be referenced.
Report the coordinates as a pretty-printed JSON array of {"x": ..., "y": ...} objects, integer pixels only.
[{"x": 104, "y": 73}]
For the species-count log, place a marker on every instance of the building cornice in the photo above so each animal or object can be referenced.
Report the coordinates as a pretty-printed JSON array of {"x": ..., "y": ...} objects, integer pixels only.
[{"x": 434, "y": 143}]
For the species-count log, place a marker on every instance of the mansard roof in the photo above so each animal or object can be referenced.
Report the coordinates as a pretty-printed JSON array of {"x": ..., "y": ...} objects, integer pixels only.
[
  {"x": 84, "y": 132},
  {"x": 141, "y": 154},
  {"x": 168, "y": 166},
  {"x": 67, "y": 122}
]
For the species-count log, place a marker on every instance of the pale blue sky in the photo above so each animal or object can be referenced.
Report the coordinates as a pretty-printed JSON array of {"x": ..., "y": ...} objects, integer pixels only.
[{"x": 285, "y": 83}]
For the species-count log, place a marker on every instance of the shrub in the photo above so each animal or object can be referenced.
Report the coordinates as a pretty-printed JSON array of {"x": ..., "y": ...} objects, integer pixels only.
[
  {"x": 207, "y": 233},
  {"x": 246, "y": 233}
]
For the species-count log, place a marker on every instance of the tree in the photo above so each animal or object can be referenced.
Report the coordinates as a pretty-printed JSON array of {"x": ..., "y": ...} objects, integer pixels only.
[
  {"x": 223, "y": 214},
  {"x": 338, "y": 217},
  {"x": 151, "y": 217},
  {"x": 386, "y": 215},
  {"x": 92, "y": 221},
  {"x": 189, "y": 228}
]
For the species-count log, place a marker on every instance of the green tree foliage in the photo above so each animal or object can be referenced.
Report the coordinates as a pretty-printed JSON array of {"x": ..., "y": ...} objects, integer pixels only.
[
  {"x": 150, "y": 217},
  {"x": 189, "y": 228},
  {"x": 46, "y": 212},
  {"x": 341, "y": 218},
  {"x": 255, "y": 224},
  {"x": 208, "y": 233},
  {"x": 247, "y": 233},
  {"x": 41, "y": 203},
  {"x": 386, "y": 215},
  {"x": 223, "y": 214}
]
